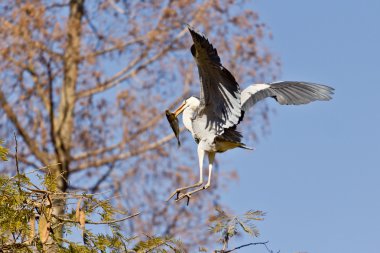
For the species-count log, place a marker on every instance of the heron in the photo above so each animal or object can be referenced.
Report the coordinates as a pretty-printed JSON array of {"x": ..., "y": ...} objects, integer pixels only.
[{"x": 213, "y": 117}]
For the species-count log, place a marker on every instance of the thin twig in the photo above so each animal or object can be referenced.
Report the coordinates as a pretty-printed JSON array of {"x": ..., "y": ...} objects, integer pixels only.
[
  {"x": 23, "y": 160},
  {"x": 114, "y": 48},
  {"x": 72, "y": 195},
  {"x": 42, "y": 168},
  {"x": 17, "y": 168},
  {"x": 134, "y": 135},
  {"x": 102, "y": 179},
  {"x": 125, "y": 155},
  {"x": 117, "y": 8},
  {"x": 245, "y": 245},
  {"x": 96, "y": 222},
  {"x": 132, "y": 69}
]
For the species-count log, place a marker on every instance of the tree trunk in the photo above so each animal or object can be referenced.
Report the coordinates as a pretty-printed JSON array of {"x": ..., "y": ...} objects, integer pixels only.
[{"x": 62, "y": 124}]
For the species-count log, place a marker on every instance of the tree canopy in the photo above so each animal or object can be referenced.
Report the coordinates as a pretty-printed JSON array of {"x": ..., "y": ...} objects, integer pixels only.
[{"x": 85, "y": 85}]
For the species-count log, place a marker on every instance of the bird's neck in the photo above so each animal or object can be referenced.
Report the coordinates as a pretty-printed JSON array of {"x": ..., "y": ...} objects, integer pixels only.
[{"x": 187, "y": 116}]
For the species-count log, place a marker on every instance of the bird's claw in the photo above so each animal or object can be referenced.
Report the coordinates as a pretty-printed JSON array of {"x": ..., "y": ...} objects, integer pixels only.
[
  {"x": 182, "y": 196},
  {"x": 174, "y": 193}
]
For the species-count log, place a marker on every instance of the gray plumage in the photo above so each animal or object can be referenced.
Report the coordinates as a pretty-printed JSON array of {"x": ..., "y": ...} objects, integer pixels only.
[
  {"x": 212, "y": 119},
  {"x": 220, "y": 102},
  {"x": 286, "y": 93}
]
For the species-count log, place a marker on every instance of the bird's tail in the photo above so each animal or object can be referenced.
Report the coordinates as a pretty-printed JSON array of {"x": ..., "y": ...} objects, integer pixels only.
[
  {"x": 242, "y": 145},
  {"x": 233, "y": 137}
]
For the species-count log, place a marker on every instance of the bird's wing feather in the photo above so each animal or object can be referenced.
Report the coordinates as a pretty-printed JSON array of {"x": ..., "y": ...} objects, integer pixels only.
[
  {"x": 220, "y": 93},
  {"x": 285, "y": 93}
]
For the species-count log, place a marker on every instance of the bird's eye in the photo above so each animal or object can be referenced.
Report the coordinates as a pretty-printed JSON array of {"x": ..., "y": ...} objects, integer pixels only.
[{"x": 193, "y": 50}]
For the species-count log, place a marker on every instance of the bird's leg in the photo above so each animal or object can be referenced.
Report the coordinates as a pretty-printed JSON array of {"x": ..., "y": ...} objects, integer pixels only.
[
  {"x": 211, "y": 156},
  {"x": 201, "y": 154}
]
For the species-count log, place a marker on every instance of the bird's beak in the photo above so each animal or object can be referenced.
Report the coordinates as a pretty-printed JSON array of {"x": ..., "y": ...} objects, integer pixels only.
[{"x": 180, "y": 109}]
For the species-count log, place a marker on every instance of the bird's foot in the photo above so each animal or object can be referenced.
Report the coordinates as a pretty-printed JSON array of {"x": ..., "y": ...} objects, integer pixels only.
[
  {"x": 177, "y": 191},
  {"x": 184, "y": 195},
  {"x": 189, "y": 194}
]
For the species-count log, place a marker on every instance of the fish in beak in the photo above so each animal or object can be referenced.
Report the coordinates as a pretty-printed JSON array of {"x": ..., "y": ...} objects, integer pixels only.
[{"x": 173, "y": 120}]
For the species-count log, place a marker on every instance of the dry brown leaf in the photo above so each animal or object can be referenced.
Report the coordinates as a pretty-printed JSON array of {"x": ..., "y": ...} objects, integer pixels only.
[
  {"x": 32, "y": 227},
  {"x": 82, "y": 219},
  {"x": 47, "y": 208},
  {"x": 82, "y": 222},
  {"x": 77, "y": 210},
  {"x": 48, "y": 212},
  {"x": 43, "y": 228}
]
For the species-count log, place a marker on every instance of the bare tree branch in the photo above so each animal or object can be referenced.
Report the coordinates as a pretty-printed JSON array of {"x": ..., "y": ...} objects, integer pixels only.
[
  {"x": 29, "y": 68},
  {"x": 25, "y": 161},
  {"x": 33, "y": 146},
  {"x": 114, "y": 48},
  {"x": 33, "y": 43},
  {"x": 123, "y": 156},
  {"x": 246, "y": 245},
  {"x": 17, "y": 167},
  {"x": 96, "y": 186},
  {"x": 52, "y": 63},
  {"x": 41, "y": 46},
  {"x": 113, "y": 81},
  {"x": 123, "y": 142},
  {"x": 122, "y": 76},
  {"x": 116, "y": 7}
]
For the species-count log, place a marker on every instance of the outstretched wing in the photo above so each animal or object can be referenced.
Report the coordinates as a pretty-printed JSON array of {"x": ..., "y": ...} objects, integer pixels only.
[
  {"x": 220, "y": 93},
  {"x": 285, "y": 93}
]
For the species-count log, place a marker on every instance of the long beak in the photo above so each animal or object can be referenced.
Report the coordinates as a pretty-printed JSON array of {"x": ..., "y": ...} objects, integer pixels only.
[{"x": 180, "y": 109}]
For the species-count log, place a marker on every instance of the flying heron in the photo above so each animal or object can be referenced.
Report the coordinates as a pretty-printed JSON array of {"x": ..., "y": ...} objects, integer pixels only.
[{"x": 212, "y": 119}]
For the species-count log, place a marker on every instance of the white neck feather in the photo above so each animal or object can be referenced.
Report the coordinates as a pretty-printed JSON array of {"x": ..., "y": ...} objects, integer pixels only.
[
  {"x": 192, "y": 104},
  {"x": 186, "y": 118}
]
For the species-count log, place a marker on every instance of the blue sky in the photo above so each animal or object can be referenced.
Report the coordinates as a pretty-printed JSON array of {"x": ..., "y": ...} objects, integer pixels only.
[{"x": 317, "y": 175}]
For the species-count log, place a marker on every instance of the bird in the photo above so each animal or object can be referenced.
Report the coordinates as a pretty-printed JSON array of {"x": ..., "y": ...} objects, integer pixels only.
[{"x": 212, "y": 118}]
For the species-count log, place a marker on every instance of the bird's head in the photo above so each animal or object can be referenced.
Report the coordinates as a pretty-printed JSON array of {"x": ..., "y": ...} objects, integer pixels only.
[{"x": 191, "y": 102}]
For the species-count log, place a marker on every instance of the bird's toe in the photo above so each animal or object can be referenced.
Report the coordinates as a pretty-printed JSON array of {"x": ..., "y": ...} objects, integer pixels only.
[
  {"x": 184, "y": 195},
  {"x": 178, "y": 191}
]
